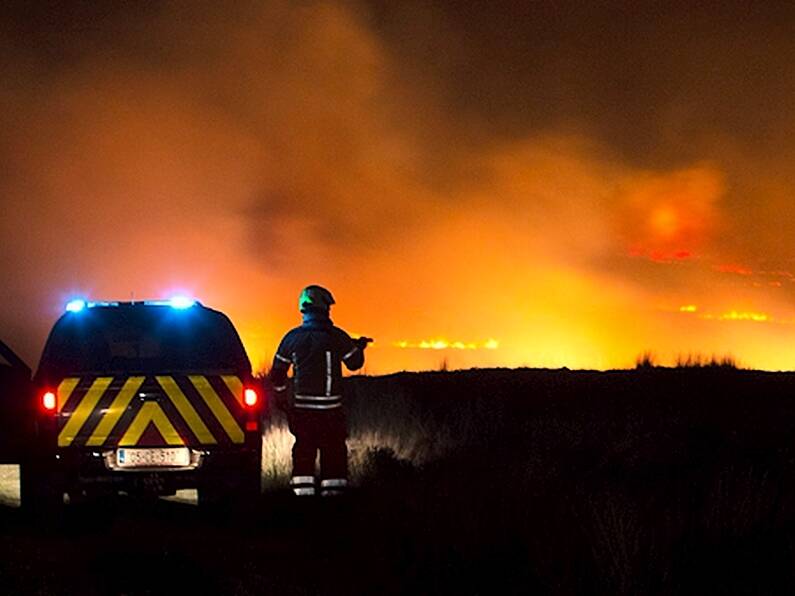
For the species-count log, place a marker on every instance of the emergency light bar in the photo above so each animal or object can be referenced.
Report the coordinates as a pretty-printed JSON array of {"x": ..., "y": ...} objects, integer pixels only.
[
  {"x": 181, "y": 302},
  {"x": 177, "y": 302},
  {"x": 75, "y": 305},
  {"x": 79, "y": 304}
]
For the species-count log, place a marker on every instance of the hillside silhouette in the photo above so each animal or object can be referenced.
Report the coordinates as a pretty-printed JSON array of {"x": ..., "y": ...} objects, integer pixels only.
[{"x": 650, "y": 481}]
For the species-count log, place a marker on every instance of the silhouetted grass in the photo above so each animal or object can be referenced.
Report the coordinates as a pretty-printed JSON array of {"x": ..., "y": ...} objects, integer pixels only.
[
  {"x": 701, "y": 361},
  {"x": 379, "y": 424},
  {"x": 648, "y": 360},
  {"x": 584, "y": 482}
]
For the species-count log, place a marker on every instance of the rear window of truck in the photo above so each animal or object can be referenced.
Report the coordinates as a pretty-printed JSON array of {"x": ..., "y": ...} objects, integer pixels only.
[{"x": 142, "y": 339}]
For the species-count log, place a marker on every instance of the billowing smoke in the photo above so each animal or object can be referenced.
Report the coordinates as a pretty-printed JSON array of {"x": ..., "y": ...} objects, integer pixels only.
[{"x": 559, "y": 179}]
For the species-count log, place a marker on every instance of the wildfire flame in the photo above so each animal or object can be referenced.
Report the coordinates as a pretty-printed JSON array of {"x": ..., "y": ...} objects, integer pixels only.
[
  {"x": 734, "y": 315},
  {"x": 443, "y": 344}
]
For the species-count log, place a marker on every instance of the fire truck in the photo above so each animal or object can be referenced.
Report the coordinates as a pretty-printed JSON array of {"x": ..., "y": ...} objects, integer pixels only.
[{"x": 143, "y": 398}]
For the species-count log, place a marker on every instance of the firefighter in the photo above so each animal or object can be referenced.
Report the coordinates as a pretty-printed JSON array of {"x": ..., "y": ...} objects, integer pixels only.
[{"x": 316, "y": 350}]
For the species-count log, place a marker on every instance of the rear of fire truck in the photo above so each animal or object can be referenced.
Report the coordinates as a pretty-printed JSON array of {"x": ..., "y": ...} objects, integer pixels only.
[{"x": 144, "y": 398}]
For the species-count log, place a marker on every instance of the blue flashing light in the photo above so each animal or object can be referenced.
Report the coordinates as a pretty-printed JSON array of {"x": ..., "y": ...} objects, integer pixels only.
[
  {"x": 181, "y": 302},
  {"x": 75, "y": 305},
  {"x": 94, "y": 304}
]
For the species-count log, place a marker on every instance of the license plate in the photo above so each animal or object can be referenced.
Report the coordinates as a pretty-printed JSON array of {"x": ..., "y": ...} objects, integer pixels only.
[{"x": 165, "y": 457}]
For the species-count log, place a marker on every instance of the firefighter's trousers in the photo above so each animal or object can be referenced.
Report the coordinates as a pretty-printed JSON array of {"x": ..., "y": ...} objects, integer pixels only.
[{"x": 324, "y": 431}]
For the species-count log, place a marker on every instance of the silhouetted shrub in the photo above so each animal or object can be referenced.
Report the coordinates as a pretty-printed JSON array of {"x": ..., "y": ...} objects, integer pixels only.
[{"x": 646, "y": 360}]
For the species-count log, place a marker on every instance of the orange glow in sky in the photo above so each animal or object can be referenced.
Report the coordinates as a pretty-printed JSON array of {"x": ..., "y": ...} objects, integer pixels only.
[{"x": 241, "y": 157}]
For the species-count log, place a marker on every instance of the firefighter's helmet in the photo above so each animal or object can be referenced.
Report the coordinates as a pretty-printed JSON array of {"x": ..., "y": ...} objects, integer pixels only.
[{"x": 316, "y": 297}]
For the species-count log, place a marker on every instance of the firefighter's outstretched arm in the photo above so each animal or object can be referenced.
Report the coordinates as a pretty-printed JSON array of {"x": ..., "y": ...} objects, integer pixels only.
[{"x": 354, "y": 357}]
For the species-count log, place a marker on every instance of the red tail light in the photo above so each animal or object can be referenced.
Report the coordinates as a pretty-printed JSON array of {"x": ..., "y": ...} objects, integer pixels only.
[
  {"x": 48, "y": 401},
  {"x": 250, "y": 397}
]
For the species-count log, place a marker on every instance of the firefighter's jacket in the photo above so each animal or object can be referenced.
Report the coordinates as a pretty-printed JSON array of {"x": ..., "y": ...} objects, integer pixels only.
[{"x": 316, "y": 350}]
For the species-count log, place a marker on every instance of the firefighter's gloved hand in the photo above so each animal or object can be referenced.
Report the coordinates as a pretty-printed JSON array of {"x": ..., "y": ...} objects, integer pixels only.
[{"x": 361, "y": 342}]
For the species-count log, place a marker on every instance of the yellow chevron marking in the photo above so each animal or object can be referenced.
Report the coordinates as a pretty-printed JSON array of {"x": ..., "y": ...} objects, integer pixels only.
[
  {"x": 235, "y": 386},
  {"x": 150, "y": 412},
  {"x": 65, "y": 390},
  {"x": 83, "y": 411},
  {"x": 114, "y": 412},
  {"x": 217, "y": 406},
  {"x": 186, "y": 410}
]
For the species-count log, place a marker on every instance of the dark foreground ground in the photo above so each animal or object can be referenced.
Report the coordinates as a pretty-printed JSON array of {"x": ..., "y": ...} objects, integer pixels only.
[{"x": 537, "y": 482}]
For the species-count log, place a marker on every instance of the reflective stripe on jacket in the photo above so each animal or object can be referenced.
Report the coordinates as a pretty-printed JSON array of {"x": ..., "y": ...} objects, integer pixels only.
[{"x": 316, "y": 350}]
